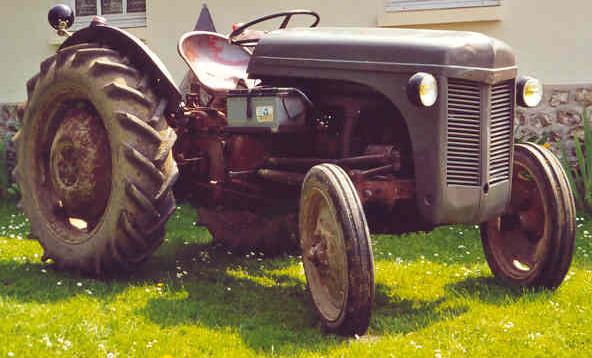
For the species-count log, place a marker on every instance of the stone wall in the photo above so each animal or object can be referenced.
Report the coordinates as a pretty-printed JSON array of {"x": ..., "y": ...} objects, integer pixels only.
[
  {"x": 557, "y": 119},
  {"x": 9, "y": 121},
  {"x": 9, "y": 114}
]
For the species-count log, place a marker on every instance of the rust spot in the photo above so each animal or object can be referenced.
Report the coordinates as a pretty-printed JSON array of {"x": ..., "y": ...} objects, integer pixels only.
[{"x": 80, "y": 163}]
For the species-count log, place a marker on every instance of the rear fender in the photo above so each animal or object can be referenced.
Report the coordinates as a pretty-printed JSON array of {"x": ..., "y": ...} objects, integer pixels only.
[{"x": 138, "y": 53}]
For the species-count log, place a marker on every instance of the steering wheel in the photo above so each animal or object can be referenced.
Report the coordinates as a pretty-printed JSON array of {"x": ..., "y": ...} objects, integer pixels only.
[{"x": 287, "y": 15}]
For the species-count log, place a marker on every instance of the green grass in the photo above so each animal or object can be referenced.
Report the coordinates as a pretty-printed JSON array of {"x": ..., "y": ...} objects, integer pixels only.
[{"x": 435, "y": 297}]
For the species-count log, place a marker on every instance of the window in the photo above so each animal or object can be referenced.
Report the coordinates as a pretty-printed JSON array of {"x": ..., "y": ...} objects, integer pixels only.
[
  {"x": 121, "y": 13},
  {"x": 408, "y": 5}
]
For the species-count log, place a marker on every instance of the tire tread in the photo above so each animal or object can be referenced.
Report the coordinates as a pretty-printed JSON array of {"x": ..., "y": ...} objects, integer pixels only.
[{"x": 148, "y": 190}]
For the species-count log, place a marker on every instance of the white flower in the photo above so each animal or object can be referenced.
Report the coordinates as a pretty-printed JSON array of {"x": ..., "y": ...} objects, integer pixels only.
[{"x": 47, "y": 341}]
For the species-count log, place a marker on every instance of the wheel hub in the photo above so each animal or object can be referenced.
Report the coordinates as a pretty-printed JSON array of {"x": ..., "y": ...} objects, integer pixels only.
[
  {"x": 318, "y": 253},
  {"x": 80, "y": 163},
  {"x": 325, "y": 258},
  {"x": 519, "y": 238}
]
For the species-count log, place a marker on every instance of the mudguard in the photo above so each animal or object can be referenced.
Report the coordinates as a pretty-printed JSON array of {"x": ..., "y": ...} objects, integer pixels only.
[{"x": 139, "y": 54}]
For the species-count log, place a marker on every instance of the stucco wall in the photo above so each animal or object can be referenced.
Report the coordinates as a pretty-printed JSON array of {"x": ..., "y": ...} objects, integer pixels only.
[
  {"x": 24, "y": 41},
  {"x": 551, "y": 39}
]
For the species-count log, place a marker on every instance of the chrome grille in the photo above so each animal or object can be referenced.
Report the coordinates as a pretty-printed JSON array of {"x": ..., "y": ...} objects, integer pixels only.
[
  {"x": 464, "y": 133},
  {"x": 502, "y": 116}
]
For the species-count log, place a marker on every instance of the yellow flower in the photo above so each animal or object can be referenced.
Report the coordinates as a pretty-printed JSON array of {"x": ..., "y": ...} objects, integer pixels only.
[{"x": 547, "y": 145}]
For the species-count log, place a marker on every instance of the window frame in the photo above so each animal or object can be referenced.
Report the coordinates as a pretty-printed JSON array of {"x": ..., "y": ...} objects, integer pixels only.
[
  {"x": 408, "y": 5},
  {"x": 125, "y": 20},
  {"x": 440, "y": 15}
]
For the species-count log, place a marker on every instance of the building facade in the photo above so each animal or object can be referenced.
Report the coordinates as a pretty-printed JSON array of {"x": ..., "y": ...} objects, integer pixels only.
[{"x": 552, "y": 42}]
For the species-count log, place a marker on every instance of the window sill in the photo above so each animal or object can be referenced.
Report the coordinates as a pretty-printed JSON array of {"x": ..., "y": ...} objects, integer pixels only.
[
  {"x": 124, "y": 22},
  {"x": 440, "y": 16},
  {"x": 139, "y": 32}
]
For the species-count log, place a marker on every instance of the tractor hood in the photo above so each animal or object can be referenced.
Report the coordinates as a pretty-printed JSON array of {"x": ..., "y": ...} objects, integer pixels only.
[{"x": 376, "y": 47}]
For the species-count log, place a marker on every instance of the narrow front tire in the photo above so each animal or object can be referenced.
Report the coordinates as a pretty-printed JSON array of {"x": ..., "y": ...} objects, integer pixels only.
[{"x": 336, "y": 250}]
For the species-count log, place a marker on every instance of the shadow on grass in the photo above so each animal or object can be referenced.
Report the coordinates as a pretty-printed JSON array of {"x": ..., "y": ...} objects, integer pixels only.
[
  {"x": 265, "y": 308},
  {"x": 490, "y": 291},
  {"x": 264, "y": 316},
  {"x": 283, "y": 316},
  {"x": 398, "y": 315},
  {"x": 268, "y": 309},
  {"x": 41, "y": 283}
]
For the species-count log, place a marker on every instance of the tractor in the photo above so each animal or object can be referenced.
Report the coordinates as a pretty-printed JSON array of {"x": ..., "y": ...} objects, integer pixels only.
[{"x": 302, "y": 137}]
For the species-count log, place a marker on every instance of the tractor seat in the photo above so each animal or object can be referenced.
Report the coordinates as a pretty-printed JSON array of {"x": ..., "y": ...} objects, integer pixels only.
[{"x": 218, "y": 65}]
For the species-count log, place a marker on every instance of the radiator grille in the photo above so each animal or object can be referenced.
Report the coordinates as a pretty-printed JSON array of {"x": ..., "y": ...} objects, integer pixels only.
[
  {"x": 464, "y": 133},
  {"x": 502, "y": 115}
]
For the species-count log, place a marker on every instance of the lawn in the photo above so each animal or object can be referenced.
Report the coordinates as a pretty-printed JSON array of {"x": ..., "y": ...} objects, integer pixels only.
[{"x": 435, "y": 297}]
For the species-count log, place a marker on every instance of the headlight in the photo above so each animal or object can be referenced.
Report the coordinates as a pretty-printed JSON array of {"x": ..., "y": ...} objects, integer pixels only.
[
  {"x": 529, "y": 91},
  {"x": 422, "y": 89}
]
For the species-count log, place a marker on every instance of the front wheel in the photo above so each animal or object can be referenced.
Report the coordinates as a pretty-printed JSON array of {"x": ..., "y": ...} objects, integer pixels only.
[
  {"x": 531, "y": 245},
  {"x": 336, "y": 250},
  {"x": 94, "y": 161}
]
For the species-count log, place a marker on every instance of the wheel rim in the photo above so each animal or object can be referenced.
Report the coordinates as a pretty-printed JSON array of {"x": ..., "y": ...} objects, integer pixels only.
[
  {"x": 324, "y": 256},
  {"x": 518, "y": 239},
  {"x": 72, "y": 170}
]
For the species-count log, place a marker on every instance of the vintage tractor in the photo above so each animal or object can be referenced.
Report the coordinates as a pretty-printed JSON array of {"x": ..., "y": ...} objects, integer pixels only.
[{"x": 310, "y": 136}]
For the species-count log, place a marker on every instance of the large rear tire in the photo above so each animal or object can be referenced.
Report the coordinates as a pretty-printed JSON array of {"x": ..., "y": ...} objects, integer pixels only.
[
  {"x": 336, "y": 250},
  {"x": 531, "y": 245},
  {"x": 94, "y": 161}
]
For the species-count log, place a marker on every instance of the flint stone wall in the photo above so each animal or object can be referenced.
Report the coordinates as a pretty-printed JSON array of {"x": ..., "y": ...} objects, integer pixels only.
[
  {"x": 558, "y": 119},
  {"x": 9, "y": 119},
  {"x": 10, "y": 115}
]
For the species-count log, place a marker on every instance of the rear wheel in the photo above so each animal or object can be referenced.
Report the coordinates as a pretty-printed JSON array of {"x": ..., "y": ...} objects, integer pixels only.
[
  {"x": 336, "y": 250},
  {"x": 94, "y": 161},
  {"x": 531, "y": 245}
]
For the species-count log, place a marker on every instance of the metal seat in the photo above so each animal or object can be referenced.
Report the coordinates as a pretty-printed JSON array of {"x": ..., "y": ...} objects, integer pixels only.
[{"x": 218, "y": 65}]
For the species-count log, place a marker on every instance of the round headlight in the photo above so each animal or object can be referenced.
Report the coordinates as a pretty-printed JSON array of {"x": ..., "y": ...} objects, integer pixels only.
[
  {"x": 529, "y": 92},
  {"x": 422, "y": 89}
]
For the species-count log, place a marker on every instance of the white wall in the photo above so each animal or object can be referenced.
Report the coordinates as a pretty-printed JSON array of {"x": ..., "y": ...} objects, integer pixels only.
[
  {"x": 553, "y": 40},
  {"x": 24, "y": 41}
]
